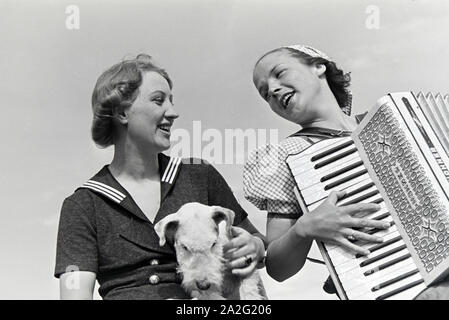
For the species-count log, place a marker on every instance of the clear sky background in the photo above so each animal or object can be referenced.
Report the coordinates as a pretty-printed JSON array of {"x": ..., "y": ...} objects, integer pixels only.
[{"x": 209, "y": 48}]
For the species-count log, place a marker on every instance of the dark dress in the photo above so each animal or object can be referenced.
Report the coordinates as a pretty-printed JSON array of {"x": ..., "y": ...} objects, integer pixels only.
[{"x": 102, "y": 230}]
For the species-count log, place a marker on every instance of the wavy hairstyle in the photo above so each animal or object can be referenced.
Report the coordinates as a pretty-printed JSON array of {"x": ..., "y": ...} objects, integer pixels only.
[{"x": 118, "y": 86}]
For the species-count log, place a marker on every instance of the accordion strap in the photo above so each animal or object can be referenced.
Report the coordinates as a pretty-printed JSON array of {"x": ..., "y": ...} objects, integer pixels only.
[{"x": 325, "y": 133}]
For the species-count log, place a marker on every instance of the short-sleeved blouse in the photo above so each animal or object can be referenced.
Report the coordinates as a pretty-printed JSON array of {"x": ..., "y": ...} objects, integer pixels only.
[{"x": 267, "y": 181}]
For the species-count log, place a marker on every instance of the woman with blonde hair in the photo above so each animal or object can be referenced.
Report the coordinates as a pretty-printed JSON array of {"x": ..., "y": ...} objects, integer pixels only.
[{"x": 106, "y": 228}]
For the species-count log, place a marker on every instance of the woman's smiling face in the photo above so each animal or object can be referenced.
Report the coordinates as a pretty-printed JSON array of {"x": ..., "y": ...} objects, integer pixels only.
[
  {"x": 288, "y": 85},
  {"x": 150, "y": 117}
]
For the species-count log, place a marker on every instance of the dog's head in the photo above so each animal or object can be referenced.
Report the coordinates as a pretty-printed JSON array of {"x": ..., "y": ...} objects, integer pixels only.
[
  {"x": 198, "y": 234},
  {"x": 185, "y": 224}
]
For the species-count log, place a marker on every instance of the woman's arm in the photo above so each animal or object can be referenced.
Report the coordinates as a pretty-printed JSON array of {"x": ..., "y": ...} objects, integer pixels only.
[
  {"x": 287, "y": 251},
  {"x": 77, "y": 285}
]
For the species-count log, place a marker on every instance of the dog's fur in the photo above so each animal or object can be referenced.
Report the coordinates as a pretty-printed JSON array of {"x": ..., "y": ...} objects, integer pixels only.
[{"x": 198, "y": 238}]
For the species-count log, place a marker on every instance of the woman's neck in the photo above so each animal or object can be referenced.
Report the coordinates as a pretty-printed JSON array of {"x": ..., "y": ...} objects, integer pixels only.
[
  {"x": 328, "y": 114},
  {"x": 131, "y": 163},
  {"x": 339, "y": 121}
]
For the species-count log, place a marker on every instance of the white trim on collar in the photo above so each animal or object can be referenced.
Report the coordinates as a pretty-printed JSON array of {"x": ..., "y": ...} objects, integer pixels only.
[
  {"x": 105, "y": 190},
  {"x": 167, "y": 168},
  {"x": 171, "y": 170}
]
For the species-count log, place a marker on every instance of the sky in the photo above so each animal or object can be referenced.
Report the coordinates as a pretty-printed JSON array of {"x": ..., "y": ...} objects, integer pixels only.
[{"x": 209, "y": 48}]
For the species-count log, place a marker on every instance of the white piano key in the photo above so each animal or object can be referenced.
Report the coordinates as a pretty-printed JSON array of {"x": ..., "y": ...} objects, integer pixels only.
[
  {"x": 367, "y": 200},
  {"x": 409, "y": 294},
  {"x": 340, "y": 255},
  {"x": 299, "y": 167},
  {"x": 370, "y": 282},
  {"x": 344, "y": 268},
  {"x": 317, "y": 174},
  {"x": 362, "y": 290},
  {"x": 357, "y": 195},
  {"x": 357, "y": 287},
  {"x": 313, "y": 197},
  {"x": 336, "y": 154},
  {"x": 378, "y": 278},
  {"x": 320, "y": 188},
  {"x": 313, "y": 176},
  {"x": 306, "y": 155},
  {"x": 388, "y": 218},
  {"x": 315, "y": 205},
  {"x": 398, "y": 284},
  {"x": 348, "y": 277},
  {"x": 341, "y": 187},
  {"x": 314, "y": 173},
  {"x": 355, "y": 263}
]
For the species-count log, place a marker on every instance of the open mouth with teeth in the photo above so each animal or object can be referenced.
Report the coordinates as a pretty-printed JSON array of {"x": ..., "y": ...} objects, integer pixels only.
[
  {"x": 165, "y": 128},
  {"x": 285, "y": 99}
]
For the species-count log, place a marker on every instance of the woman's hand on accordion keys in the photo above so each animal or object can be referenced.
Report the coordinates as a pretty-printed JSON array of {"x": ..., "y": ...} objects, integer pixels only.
[{"x": 334, "y": 224}]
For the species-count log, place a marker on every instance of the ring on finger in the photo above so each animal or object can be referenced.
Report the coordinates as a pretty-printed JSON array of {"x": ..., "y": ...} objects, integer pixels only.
[
  {"x": 248, "y": 260},
  {"x": 351, "y": 237}
]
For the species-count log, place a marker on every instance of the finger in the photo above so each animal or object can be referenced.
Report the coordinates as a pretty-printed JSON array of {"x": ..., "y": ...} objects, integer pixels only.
[
  {"x": 236, "y": 231},
  {"x": 368, "y": 223},
  {"x": 241, "y": 262},
  {"x": 359, "y": 235},
  {"x": 242, "y": 251},
  {"x": 366, "y": 208},
  {"x": 335, "y": 195},
  {"x": 345, "y": 243},
  {"x": 244, "y": 270},
  {"x": 235, "y": 243},
  {"x": 236, "y": 240}
]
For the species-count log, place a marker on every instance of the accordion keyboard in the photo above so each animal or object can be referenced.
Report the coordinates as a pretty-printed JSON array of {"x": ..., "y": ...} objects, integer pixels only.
[{"x": 388, "y": 272}]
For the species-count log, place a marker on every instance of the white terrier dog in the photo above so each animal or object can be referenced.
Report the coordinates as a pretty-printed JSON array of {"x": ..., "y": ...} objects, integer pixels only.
[{"x": 198, "y": 238}]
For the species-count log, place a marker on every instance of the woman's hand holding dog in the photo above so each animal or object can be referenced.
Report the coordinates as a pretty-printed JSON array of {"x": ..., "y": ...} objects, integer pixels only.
[{"x": 243, "y": 252}]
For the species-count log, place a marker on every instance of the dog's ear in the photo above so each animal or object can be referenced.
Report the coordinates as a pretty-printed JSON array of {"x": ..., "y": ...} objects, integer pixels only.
[
  {"x": 166, "y": 228},
  {"x": 219, "y": 214}
]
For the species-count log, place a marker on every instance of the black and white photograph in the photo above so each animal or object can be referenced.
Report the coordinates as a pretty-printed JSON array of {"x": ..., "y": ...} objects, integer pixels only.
[{"x": 256, "y": 150}]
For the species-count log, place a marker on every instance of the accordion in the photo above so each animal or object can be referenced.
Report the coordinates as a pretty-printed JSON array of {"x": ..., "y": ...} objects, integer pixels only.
[{"x": 398, "y": 157}]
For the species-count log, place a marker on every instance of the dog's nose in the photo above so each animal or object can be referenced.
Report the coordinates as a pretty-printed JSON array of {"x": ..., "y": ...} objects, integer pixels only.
[{"x": 203, "y": 284}]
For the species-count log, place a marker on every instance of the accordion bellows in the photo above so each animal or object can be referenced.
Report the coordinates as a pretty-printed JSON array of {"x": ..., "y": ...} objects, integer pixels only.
[{"x": 397, "y": 157}]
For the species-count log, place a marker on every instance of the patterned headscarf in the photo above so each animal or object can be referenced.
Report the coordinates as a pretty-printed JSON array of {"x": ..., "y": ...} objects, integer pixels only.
[{"x": 315, "y": 53}]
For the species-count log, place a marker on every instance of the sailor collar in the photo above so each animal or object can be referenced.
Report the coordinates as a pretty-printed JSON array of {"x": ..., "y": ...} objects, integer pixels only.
[{"x": 105, "y": 185}]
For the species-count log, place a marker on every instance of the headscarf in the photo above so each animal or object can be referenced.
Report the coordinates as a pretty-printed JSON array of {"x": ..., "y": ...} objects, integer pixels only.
[{"x": 315, "y": 53}]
